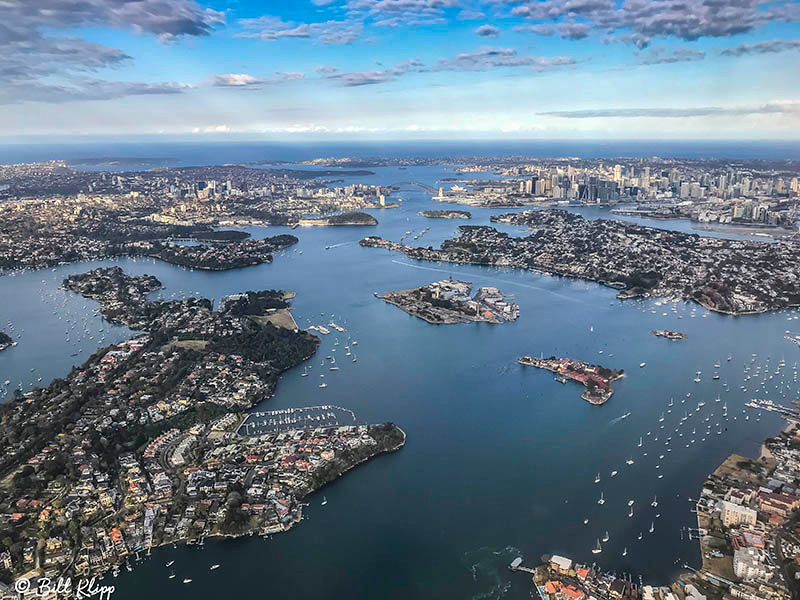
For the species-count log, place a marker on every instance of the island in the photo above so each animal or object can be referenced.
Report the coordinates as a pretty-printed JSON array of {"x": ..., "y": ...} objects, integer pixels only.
[
  {"x": 446, "y": 214},
  {"x": 142, "y": 445},
  {"x": 669, "y": 334},
  {"x": 595, "y": 378},
  {"x": 728, "y": 276},
  {"x": 348, "y": 218},
  {"x": 448, "y": 301},
  {"x": 5, "y": 341}
]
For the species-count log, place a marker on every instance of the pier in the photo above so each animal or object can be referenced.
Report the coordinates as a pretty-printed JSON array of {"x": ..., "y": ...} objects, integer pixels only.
[{"x": 516, "y": 565}]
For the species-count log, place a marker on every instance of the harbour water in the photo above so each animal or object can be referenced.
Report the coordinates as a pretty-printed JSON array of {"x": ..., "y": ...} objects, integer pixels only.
[{"x": 500, "y": 459}]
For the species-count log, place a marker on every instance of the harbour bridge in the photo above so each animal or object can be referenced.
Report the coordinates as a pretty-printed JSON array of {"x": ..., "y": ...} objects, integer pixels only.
[{"x": 415, "y": 187}]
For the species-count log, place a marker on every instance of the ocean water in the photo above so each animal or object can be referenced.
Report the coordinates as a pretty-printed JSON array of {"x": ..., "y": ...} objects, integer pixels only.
[
  {"x": 500, "y": 459},
  {"x": 185, "y": 153}
]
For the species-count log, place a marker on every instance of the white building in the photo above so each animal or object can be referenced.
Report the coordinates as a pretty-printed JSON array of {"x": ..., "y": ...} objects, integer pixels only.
[
  {"x": 748, "y": 564},
  {"x": 734, "y": 515}
]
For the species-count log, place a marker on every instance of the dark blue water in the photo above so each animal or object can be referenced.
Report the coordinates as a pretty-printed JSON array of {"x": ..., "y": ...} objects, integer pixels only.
[
  {"x": 500, "y": 459},
  {"x": 203, "y": 153}
]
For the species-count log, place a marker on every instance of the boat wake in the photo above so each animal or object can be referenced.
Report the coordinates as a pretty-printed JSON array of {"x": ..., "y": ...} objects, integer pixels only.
[{"x": 618, "y": 419}]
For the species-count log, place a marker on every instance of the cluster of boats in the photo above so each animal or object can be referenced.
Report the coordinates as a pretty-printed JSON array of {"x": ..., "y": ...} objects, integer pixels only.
[
  {"x": 700, "y": 421},
  {"x": 186, "y": 580},
  {"x": 416, "y": 235},
  {"x": 261, "y": 422},
  {"x": 349, "y": 350}
]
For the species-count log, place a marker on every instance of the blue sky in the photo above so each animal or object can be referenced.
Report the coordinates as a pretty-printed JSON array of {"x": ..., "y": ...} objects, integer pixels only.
[{"x": 399, "y": 69}]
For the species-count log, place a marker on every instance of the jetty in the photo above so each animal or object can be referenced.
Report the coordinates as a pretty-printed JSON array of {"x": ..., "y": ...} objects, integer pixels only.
[{"x": 516, "y": 565}]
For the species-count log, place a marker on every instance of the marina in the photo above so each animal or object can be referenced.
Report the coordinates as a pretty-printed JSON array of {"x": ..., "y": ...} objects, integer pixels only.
[{"x": 312, "y": 417}]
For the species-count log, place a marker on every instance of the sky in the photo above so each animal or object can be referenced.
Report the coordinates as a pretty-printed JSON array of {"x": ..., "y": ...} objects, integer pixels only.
[{"x": 400, "y": 69}]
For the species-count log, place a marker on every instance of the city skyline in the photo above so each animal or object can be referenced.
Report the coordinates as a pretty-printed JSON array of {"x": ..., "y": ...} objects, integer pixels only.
[{"x": 401, "y": 69}]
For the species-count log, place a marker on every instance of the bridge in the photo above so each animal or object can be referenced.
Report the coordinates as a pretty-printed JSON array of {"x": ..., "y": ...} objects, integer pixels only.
[{"x": 418, "y": 184}]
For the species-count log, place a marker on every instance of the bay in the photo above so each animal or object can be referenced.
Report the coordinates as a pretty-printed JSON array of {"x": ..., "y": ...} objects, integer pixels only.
[{"x": 500, "y": 459}]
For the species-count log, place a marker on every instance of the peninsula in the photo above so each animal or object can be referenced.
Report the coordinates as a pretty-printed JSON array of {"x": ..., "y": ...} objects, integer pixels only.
[
  {"x": 141, "y": 445},
  {"x": 448, "y": 301},
  {"x": 218, "y": 256},
  {"x": 446, "y": 214},
  {"x": 728, "y": 276},
  {"x": 595, "y": 378}
]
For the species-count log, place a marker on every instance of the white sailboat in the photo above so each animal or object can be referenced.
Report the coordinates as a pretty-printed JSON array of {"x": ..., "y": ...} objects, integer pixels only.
[
  {"x": 601, "y": 500},
  {"x": 597, "y": 549}
]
